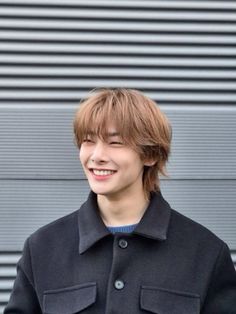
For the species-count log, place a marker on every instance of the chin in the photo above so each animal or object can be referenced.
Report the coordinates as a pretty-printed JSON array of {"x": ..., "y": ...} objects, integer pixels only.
[
  {"x": 102, "y": 192},
  {"x": 99, "y": 191}
]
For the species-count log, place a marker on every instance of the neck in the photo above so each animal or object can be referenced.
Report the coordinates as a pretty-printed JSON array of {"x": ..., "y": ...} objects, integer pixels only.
[{"x": 117, "y": 211}]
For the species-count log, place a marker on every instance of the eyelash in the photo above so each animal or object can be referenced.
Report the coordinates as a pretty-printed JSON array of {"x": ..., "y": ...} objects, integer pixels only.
[
  {"x": 86, "y": 140},
  {"x": 118, "y": 143}
]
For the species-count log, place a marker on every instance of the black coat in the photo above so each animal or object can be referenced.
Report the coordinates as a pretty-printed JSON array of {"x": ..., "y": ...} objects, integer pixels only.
[{"x": 167, "y": 265}]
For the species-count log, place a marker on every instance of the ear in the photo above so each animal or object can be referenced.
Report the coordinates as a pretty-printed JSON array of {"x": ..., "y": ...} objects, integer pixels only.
[{"x": 149, "y": 163}]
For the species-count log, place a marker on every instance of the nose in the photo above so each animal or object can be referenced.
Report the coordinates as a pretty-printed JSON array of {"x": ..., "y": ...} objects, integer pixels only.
[{"x": 99, "y": 152}]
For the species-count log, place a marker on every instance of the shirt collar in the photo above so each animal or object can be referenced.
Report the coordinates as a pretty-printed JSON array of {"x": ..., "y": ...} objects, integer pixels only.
[{"x": 154, "y": 223}]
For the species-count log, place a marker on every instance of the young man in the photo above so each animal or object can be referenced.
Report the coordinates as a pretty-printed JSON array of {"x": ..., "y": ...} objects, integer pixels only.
[{"x": 125, "y": 250}]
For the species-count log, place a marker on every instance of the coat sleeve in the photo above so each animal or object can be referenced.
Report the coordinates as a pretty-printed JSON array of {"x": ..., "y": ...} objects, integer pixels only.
[
  {"x": 221, "y": 296},
  {"x": 23, "y": 297}
]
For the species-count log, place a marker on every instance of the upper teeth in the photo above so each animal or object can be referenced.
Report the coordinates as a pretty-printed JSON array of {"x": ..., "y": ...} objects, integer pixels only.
[{"x": 102, "y": 172}]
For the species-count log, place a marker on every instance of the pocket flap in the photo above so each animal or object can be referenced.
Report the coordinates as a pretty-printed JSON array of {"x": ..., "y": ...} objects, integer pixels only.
[
  {"x": 69, "y": 300},
  {"x": 163, "y": 301}
]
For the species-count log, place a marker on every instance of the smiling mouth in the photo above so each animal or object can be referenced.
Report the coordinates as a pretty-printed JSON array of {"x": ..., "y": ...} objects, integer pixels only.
[{"x": 102, "y": 172}]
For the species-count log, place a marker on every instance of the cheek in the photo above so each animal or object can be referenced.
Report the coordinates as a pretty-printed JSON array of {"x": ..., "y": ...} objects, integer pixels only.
[
  {"x": 82, "y": 156},
  {"x": 133, "y": 164}
]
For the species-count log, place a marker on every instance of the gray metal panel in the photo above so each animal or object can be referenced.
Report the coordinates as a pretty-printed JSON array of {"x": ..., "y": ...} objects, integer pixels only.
[
  {"x": 152, "y": 62},
  {"x": 7, "y": 275},
  {"x": 170, "y": 33},
  {"x": 171, "y": 4},
  {"x": 105, "y": 25},
  {"x": 28, "y": 204},
  {"x": 120, "y": 37},
  {"x": 37, "y": 143},
  {"x": 119, "y": 13},
  {"x": 53, "y": 51}
]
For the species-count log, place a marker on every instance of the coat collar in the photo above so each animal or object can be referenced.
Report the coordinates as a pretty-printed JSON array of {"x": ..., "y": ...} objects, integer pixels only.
[{"x": 154, "y": 223}]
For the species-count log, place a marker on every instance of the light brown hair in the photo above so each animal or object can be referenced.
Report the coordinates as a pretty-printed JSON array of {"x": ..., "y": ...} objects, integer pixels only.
[{"x": 139, "y": 121}]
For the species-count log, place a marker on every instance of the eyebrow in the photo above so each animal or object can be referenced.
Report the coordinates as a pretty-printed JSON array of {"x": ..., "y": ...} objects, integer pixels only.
[{"x": 109, "y": 134}]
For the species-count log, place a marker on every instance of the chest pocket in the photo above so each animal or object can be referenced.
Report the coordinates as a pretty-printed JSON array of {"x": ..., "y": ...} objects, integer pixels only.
[
  {"x": 163, "y": 301},
  {"x": 69, "y": 300}
]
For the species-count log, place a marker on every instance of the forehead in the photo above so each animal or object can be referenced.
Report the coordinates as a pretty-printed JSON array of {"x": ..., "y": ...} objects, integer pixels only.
[{"x": 109, "y": 131}]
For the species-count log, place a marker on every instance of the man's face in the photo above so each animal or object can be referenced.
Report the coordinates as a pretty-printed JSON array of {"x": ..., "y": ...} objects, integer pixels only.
[{"x": 112, "y": 168}]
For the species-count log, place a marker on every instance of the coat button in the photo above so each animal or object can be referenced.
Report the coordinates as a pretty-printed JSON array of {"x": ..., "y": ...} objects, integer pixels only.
[
  {"x": 123, "y": 243},
  {"x": 119, "y": 284}
]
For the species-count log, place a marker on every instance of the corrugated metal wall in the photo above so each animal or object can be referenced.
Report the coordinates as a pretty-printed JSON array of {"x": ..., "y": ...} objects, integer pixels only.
[{"x": 181, "y": 53}]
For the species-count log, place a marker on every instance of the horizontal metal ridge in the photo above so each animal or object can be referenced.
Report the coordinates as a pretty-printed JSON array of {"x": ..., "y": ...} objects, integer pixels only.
[
  {"x": 63, "y": 72},
  {"x": 122, "y": 14},
  {"x": 32, "y": 94},
  {"x": 9, "y": 258},
  {"x": 8, "y": 271},
  {"x": 114, "y": 26},
  {"x": 6, "y": 284},
  {"x": 49, "y": 36},
  {"x": 114, "y": 49},
  {"x": 184, "y": 85},
  {"x": 4, "y": 296},
  {"x": 214, "y": 5},
  {"x": 115, "y": 62}
]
